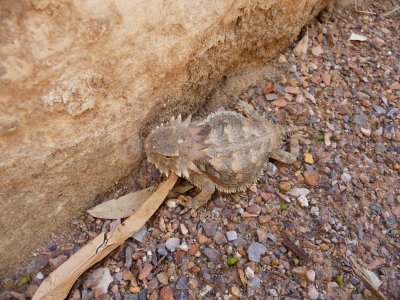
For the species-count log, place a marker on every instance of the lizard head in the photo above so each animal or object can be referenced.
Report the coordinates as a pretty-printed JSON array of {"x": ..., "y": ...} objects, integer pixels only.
[{"x": 175, "y": 146}]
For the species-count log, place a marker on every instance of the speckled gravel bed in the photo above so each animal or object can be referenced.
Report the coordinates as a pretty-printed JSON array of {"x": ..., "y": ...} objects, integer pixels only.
[{"x": 340, "y": 199}]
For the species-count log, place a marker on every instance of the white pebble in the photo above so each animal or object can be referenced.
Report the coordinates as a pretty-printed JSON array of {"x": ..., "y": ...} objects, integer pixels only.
[
  {"x": 249, "y": 273},
  {"x": 231, "y": 235},
  {"x": 303, "y": 201},
  {"x": 310, "y": 274},
  {"x": 346, "y": 177}
]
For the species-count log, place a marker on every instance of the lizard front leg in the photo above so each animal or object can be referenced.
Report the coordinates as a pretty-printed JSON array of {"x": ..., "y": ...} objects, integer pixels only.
[{"x": 207, "y": 187}]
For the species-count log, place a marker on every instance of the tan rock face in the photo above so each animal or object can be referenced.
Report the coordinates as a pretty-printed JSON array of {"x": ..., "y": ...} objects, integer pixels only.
[{"x": 80, "y": 81}]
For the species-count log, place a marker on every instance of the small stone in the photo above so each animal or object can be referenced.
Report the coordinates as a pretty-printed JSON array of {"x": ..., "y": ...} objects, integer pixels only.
[
  {"x": 271, "y": 169},
  {"x": 255, "y": 251},
  {"x": 213, "y": 255},
  {"x": 128, "y": 257},
  {"x": 312, "y": 292},
  {"x": 249, "y": 273},
  {"x": 365, "y": 131},
  {"x": 31, "y": 290},
  {"x": 166, "y": 293},
  {"x": 361, "y": 119},
  {"x": 184, "y": 229},
  {"x": 317, "y": 51},
  {"x": 235, "y": 291},
  {"x": 205, "y": 290},
  {"x": 280, "y": 102},
  {"x": 285, "y": 186},
  {"x": 209, "y": 229},
  {"x": 310, "y": 275},
  {"x": 363, "y": 96},
  {"x": 134, "y": 289},
  {"x": 379, "y": 110},
  {"x": 182, "y": 283},
  {"x": 376, "y": 207},
  {"x": 308, "y": 158},
  {"x": 354, "y": 280},
  {"x": 300, "y": 271},
  {"x": 57, "y": 261},
  {"x": 282, "y": 59},
  {"x": 171, "y": 203},
  {"x": 262, "y": 235},
  {"x": 219, "y": 238},
  {"x": 303, "y": 201},
  {"x": 326, "y": 78},
  {"x": 145, "y": 271},
  {"x": 202, "y": 239},
  {"x": 311, "y": 178},
  {"x": 253, "y": 286},
  {"x": 271, "y": 97},
  {"x": 254, "y": 209},
  {"x": 395, "y": 86},
  {"x": 297, "y": 192},
  {"x": 172, "y": 244},
  {"x": 163, "y": 278},
  {"x": 231, "y": 235},
  {"x": 292, "y": 90},
  {"x": 140, "y": 235},
  {"x": 345, "y": 177}
]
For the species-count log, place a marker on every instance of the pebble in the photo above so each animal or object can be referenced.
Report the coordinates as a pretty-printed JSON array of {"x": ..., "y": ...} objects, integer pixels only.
[
  {"x": 182, "y": 283},
  {"x": 311, "y": 178},
  {"x": 297, "y": 192},
  {"x": 308, "y": 158},
  {"x": 303, "y": 201},
  {"x": 213, "y": 255},
  {"x": 166, "y": 293},
  {"x": 310, "y": 275},
  {"x": 163, "y": 278},
  {"x": 271, "y": 169},
  {"x": 145, "y": 271},
  {"x": 205, "y": 290},
  {"x": 361, "y": 119},
  {"x": 317, "y": 51},
  {"x": 271, "y": 97},
  {"x": 285, "y": 186},
  {"x": 253, "y": 286},
  {"x": 172, "y": 244},
  {"x": 249, "y": 272},
  {"x": 312, "y": 292},
  {"x": 209, "y": 229},
  {"x": 231, "y": 235},
  {"x": 376, "y": 207},
  {"x": 184, "y": 229},
  {"x": 219, "y": 238},
  {"x": 57, "y": 261},
  {"x": 140, "y": 235},
  {"x": 255, "y": 251},
  {"x": 345, "y": 177}
]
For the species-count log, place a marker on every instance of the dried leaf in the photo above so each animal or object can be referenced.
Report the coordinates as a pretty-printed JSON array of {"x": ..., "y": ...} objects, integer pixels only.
[
  {"x": 357, "y": 37},
  {"x": 302, "y": 45},
  {"x": 60, "y": 281},
  {"x": 122, "y": 207},
  {"x": 183, "y": 188},
  {"x": 368, "y": 277}
]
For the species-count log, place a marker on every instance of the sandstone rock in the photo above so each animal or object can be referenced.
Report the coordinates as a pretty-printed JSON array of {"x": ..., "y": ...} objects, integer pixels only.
[{"x": 81, "y": 81}]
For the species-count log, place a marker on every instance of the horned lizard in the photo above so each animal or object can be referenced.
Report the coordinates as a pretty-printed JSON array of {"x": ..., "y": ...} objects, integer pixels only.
[{"x": 227, "y": 151}]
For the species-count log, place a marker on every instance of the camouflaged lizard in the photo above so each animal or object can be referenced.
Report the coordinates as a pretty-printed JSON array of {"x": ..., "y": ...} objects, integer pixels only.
[{"x": 227, "y": 151}]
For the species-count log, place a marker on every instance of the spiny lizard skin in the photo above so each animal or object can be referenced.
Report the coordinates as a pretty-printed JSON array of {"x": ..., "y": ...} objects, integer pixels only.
[{"x": 227, "y": 151}]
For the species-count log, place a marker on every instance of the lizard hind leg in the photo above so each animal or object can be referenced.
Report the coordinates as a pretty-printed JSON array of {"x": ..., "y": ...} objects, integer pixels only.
[{"x": 290, "y": 157}]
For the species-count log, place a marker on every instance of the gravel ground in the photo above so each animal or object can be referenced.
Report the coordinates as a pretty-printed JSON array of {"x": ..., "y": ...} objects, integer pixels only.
[{"x": 289, "y": 236}]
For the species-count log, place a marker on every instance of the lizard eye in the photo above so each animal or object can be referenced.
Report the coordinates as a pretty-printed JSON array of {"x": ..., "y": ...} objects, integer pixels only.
[{"x": 168, "y": 157}]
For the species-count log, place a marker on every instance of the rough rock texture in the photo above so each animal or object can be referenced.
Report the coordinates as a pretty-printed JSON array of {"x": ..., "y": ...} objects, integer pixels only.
[{"x": 81, "y": 80}]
